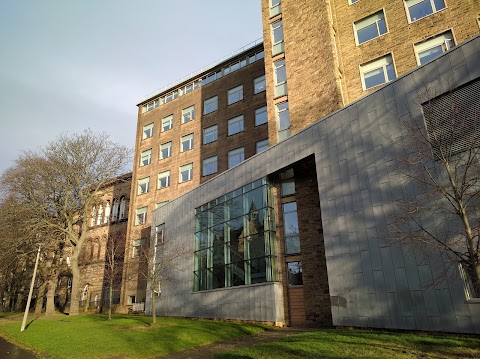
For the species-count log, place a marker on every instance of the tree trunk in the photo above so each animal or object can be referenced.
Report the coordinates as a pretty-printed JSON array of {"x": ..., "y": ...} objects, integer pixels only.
[
  {"x": 154, "y": 306},
  {"x": 110, "y": 299},
  {"x": 50, "y": 309},
  {"x": 75, "y": 296},
  {"x": 39, "y": 303}
]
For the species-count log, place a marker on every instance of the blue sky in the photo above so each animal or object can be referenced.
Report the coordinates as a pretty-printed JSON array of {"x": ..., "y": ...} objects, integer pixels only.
[{"x": 69, "y": 65}]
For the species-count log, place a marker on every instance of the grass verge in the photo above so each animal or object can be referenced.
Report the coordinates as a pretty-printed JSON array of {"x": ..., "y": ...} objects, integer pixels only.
[
  {"x": 361, "y": 344},
  {"x": 93, "y": 336}
]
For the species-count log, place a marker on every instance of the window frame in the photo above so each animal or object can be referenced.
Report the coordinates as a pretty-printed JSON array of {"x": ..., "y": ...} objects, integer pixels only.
[
  {"x": 280, "y": 78},
  {"x": 284, "y": 131},
  {"x": 275, "y": 7},
  {"x": 188, "y": 167},
  {"x": 277, "y": 46},
  {"x": 188, "y": 112},
  {"x": 167, "y": 176},
  {"x": 235, "y": 95},
  {"x": 416, "y": 2},
  {"x": 263, "y": 85},
  {"x": 168, "y": 118},
  {"x": 168, "y": 147},
  {"x": 366, "y": 22},
  {"x": 237, "y": 123},
  {"x": 143, "y": 186},
  {"x": 213, "y": 160},
  {"x": 187, "y": 139},
  {"x": 263, "y": 109},
  {"x": 146, "y": 155},
  {"x": 141, "y": 215},
  {"x": 235, "y": 152},
  {"x": 150, "y": 128},
  {"x": 263, "y": 146},
  {"x": 433, "y": 42},
  {"x": 215, "y": 132},
  {"x": 378, "y": 63},
  {"x": 212, "y": 101}
]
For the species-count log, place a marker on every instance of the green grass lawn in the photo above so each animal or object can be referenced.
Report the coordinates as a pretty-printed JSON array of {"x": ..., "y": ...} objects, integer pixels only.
[
  {"x": 345, "y": 343},
  {"x": 92, "y": 336}
]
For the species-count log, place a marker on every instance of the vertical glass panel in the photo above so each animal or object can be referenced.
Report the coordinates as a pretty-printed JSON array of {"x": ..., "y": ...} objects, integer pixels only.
[
  {"x": 430, "y": 54},
  {"x": 254, "y": 200},
  {"x": 201, "y": 240},
  {"x": 237, "y": 272},
  {"x": 258, "y": 270},
  {"x": 374, "y": 78},
  {"x": 288, "y": 187},
  {"x": 422, "y": 9}
]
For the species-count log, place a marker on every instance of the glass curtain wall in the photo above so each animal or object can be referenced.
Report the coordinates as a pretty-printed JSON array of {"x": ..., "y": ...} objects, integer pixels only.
[{"x": 235, "y": 239}]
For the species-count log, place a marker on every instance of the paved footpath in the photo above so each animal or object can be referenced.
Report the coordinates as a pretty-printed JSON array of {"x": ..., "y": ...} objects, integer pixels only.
[
  {"x": 11, "y": 351},
  {"x": 208, "y": 351}
]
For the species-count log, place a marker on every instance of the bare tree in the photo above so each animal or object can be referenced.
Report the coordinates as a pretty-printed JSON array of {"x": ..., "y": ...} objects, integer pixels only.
[
  {"x": 114, "y": 255},
  {"x": 60, "y": 184},
  {"x": 439, "y": 161}
]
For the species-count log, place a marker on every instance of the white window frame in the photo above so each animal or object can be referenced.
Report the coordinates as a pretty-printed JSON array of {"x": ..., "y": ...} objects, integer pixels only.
[
  {"x": 261, "y": 145},
  {"x": 141, "y": 215},
  {"x": 210, "y": 105},
  {"x": 282, "y": 109},
  {"x": 167, "y": 123},
  {"x": 164, "y": 175},
  {"x": 234, "y": 154},
  {"x": 278, "y": 45},
  {"x": 235, "y": 95},
  {"x": 258, "y": 112},
  {"x": 280, "y": 78},
  {"x": 368, "y": 21},
  {"x": 210, "y": 162},
  {"x": 259, "y": 85},
  {"x": 445, "y": 40},
  {"x": 409, "y": 3},
  {"x": 166, "y": 146},
  {"x": 351, "y": 2},
  {"x": 188, "y": 114},
  {"x": 382, "y": 63},
  {"x": 275, "y": 7},
  {"x": 143, "y": 186},
  {"x": 146, "y": 157},
  {"x": 235, "y": 125},
  {"x": 211, "y": 130},
  {"x": 467, "y": 285},
  {"x": 160, "y": 204},
  {"x": 186, "y": 143},
  {"x": 147, "y": 131},
  {"x": 185, "y": 169}
]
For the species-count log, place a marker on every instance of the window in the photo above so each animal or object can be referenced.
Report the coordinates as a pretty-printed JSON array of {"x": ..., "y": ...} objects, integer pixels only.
[
  {"x": 210, "y": 134},
  {"x": 280, "y": 77},
  {"x": 290, "y": 226},
  {"x": 165, "y": 150},
  {"x": 137, "y": 252},
  {"x": 94, "y": 216},
  {"x": 108, "y": 208},
  {"x": 288, "y": 182},
  {"x": 123, "y": 206},
  {"x": 146, "y": 158},
  {"x": 418, "y": 9},
  {"x": 100, "y": 215},
  {"x": 143, "y": 185},
  {"x": 471, "y": 291},
  {"x": 141, "y": 215},
  {"x": 434, "y": 47},
  {"x": 370, "y": 27},
  {"x": 235, "y": 94},
  {"x": 186, "y": 143},
  {"x": 151, "y": 105},
  {"x": 235, "y": 125},
  {"x": 283, "y": 120},
  {"x": 234, "y": 239},
  {"x": 277, "y": 38},
  {"x": 262, "y": 145},
  {"x": 188, "y": 114},
  {"x": 210, "y": 105},
  {"x": 160, "y": 204},
  {"x": 294, "y": 273},
  {"x": 186, "y": 173},
  {"x": 147, "y": 131},
  {"x": 255, "y": 57},
  {"x": 167, "y": 123},
  {"x": 235, "y": 157},
  {"x": 115, "y": 210},
  {"x": 261, "y": 116},
  {"x": 160, "y": 234},
  {"x": 275, "y": 7},
  {"x": 211, "y": 77},
  {"x": 377, "y": 72},
  {"x": 163, "y": 179},
  {"x": 352, "y": 1},
  {"x": 259, "y": 84},
  {"x": 210, "y": 165},
  {"x": 235, "y": 66}
]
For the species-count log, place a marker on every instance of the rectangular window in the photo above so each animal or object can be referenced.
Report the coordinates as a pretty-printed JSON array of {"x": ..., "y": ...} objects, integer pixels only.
[
  {"x": 259, "y": 84},
  {"x": 235, "y": 157},
  {"x": 141, "y": 215},
  {"x": 167, "y": 123},
  {"x": 160, "y": 204},
  {"x": 471, "y": 291},
  {"x": 151, "y": 105},
  {"x": 136, "y": 252},
  {"x": 188, "y": 114},
  {"x": 163, "y": 179},
  {"x": 235, "y": 125},
  {"x": 210, "y": 105},
  {"x": 165, "y": 150},
  {"x": 143, "y": 185},
  {"x": 261, "y": 116},
  {"x": 283, "y": 120},
  {"x": 433, "y": 47},
  {"x": 160, "y": 234},
  {"x": 211, "y": 77},
  {"x": 418, "y": 9},
  {"x": 294, "y": 273},
  {"x": 288, "y": 182},
  {"x": 280, "y": 78},
  {"x": 262, "y": 145},
  {"x": 186, "y": 143},
  {"x": 290, "y": 226},
  {"x": 275, "y": 7},
  {"x": 186, "y": 173},
  {"x": 255, "y": 57},
  {"x": 210, "y": 165},
  {"x": 146, "y": 158},
  {"x": 210, "y": 134},
  {"x": 235, "y": 94},
  {"x": 377, "y": 72},
  {"x": 370, "y": 27},
  {"x": 277, "y": 38},
  {"x": 147, "y": 131},
  {"x": 352, "y": 1}
]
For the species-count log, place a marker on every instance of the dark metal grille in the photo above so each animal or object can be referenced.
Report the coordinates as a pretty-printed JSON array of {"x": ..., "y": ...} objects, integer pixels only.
[{"x": 453, "y": 120}]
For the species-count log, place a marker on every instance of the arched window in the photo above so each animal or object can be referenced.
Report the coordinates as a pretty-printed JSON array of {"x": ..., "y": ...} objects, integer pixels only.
[
  {"x": 122, "y": 207},
  {"x": 107, "y": 213},
  {"x": 99, "y": 249},
  {"x": 94, "y": 215},
  {"x": 115, "y": 210},
  {"x": 85, "y": 293},
  {"x": 100, "y": 215}
]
